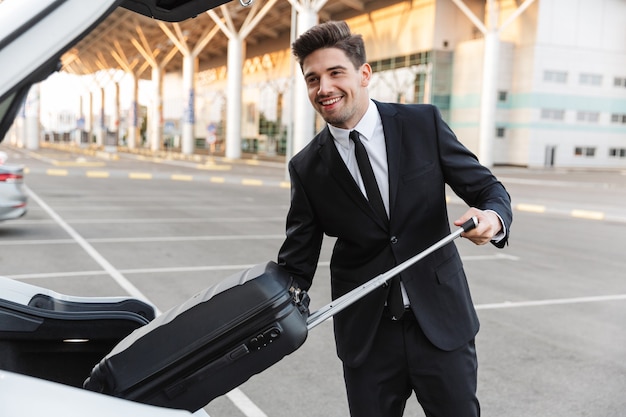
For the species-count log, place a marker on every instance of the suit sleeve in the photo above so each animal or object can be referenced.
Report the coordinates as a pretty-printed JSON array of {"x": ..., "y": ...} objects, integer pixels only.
[
  {"x": 471, "y": 181},
  {"x": 300, "y": 251}
]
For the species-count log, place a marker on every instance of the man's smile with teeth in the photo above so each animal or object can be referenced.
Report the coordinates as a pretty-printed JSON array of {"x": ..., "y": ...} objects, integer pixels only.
[{"x": 330, "y": 101}]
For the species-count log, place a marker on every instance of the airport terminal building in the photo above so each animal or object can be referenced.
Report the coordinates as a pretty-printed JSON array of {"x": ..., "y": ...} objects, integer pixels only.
[{"x": 537, "y": 83}]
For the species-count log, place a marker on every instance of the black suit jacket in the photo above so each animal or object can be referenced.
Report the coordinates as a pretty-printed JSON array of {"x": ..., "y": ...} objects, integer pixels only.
[{"x": 423, "y": 155}]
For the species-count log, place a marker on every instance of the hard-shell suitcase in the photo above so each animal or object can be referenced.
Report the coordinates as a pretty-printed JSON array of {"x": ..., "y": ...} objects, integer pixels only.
[
  {"x": 209, "y": 345},
  {"x": 223, "y": 336},
  {"x": 59, "y": 337}
]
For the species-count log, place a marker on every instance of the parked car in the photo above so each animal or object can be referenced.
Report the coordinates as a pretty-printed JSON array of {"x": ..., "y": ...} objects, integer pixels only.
[
  {"x": 13, "y": 197},
  {"x": 34, "y": 34}
]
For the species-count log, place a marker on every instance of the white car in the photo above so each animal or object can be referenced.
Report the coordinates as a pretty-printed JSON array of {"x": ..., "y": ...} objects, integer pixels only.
[{"x": 33, "y": 36}]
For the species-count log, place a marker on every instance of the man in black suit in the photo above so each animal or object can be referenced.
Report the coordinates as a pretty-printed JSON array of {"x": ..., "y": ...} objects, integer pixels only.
[{"x": 426, "y": 346}]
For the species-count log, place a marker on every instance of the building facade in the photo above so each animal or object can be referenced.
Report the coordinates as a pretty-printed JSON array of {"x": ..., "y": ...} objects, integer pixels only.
[{"x": 558, "y": 71}]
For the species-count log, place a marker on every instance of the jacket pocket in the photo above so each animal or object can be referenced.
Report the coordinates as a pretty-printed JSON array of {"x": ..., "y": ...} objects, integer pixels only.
[
  {"x": 417, "y": 173},
  {"x": 449, "y": 270}
]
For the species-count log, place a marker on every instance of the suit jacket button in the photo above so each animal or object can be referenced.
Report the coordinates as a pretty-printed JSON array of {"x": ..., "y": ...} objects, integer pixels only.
[{"x": 393, "y": 240}]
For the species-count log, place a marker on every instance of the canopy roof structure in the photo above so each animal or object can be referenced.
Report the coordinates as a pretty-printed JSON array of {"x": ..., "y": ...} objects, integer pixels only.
[{"x": 129, "y": 41}]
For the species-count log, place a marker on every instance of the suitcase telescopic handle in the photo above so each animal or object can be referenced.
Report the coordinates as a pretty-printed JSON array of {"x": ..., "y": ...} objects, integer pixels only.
[{"x": 349, "y": 298}]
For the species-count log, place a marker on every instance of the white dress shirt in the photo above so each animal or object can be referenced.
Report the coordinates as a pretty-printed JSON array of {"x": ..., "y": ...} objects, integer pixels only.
[{"x": 370, "y": 129}]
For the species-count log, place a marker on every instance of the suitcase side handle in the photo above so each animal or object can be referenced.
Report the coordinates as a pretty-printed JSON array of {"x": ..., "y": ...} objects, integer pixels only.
[{"x": 349, "y": 298}]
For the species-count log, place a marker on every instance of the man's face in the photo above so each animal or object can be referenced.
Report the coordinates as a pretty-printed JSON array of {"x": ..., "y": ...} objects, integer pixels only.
[{"x": 337, "y": 90}]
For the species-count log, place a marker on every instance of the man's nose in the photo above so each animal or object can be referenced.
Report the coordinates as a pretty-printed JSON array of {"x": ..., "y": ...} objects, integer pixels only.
[{"x": 324, "y": 87}]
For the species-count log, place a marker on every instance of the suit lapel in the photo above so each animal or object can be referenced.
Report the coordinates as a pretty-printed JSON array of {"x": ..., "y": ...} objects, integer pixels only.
[
  {"x": 392, "y": 129},
  {"x": 337, "y": 168}
]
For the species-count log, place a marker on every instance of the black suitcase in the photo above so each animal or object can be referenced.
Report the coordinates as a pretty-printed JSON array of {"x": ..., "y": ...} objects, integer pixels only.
[
  {"x": 58, "y": 337},
  {"x": 209, "y": 345},
  {"x": 221, "y": 337}
]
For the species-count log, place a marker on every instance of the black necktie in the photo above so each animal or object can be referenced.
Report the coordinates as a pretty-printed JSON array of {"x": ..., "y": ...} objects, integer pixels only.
[
  {"x": 394, "y": 299},
  {"x": 367, "y": 174}
]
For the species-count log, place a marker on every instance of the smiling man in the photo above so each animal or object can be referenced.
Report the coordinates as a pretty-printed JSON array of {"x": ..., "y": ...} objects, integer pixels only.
[
  {"x": 375, "y": 179},
  {"x": 337, "y": 92}
]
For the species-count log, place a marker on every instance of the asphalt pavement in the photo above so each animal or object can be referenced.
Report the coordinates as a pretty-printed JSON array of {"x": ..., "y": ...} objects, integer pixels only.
[{"x": 552, "y": 304}]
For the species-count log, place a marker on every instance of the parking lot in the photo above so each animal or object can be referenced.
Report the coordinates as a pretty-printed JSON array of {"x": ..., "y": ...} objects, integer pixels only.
[{"x": 552, "y": 304}]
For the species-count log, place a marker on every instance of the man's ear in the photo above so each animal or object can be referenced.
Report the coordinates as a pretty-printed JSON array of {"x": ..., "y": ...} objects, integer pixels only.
[{"x": 366, "y": 74}]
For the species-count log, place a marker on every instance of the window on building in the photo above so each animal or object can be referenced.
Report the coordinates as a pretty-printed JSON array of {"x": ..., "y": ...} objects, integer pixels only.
[
  {"x": 619, "y": 81},
  {"x": 416, "y": 78},
  {"x": 555, "y": 76},
  {"x": 553, "y": 114},
  {"x": 503, "y": 96},
  {"x": 617, "y": 152},
  {"x": 618, "y": 118},
  {"x": 500, "y": 132},
  {"x": 418, "y": 58},
  {"x": 588, "y": 116},
  {"x": 585, "y": 151},
  {"x": 590, "y": 79},
  {"x": 386, "y": 64}
]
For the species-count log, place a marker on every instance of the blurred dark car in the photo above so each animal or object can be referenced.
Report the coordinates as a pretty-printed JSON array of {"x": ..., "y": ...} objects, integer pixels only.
[{"x": 13, "y": 199}]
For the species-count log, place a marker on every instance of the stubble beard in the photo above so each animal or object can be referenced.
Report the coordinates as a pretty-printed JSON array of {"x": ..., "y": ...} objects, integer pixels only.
[{"x": 340, "y": 118}]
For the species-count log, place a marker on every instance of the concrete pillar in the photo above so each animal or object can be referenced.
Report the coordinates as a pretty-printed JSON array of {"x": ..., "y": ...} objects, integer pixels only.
[
  {"x": 303, "y": 113},
  {"x": 488, "y": 99},
  {"x": 491, "y": 31},
  {"x": 114, "y": 124},
  {"x": 133, "y": 129},
  {"x": 100, "y": 131},
  {"x": 155, "y": 118},
  {"x": 486, "y": 136},
  {"x": 236, "y": 53},
  {"x": 89, "y": 121},
  {"x": 80, "y": 121},
  {"x": 187, "y": 131}
]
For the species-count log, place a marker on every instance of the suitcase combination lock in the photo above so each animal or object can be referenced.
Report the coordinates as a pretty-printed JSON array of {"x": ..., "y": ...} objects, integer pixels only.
[{"x": 263, "y": 339}]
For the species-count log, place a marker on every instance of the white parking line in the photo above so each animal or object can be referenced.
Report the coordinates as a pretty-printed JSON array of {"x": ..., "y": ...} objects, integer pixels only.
[
  {"x": 106, "y": 265},
  {"x": 141, "y": 239},
  {"x": 184, "y": 238},
  {"x": 230, "y": 267},
  {"x": 161, "y": 220},
  {"x": 494, "y": 257},
  {"x": 588, "y": 214},
  {"x": 240, "y": 400},
  {"x": 244, "y": 404},
  {"x": 56, "y": 275}
]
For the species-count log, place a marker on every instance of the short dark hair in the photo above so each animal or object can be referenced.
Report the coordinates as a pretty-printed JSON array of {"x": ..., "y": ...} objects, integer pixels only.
[{"x": 333, "y": 34}]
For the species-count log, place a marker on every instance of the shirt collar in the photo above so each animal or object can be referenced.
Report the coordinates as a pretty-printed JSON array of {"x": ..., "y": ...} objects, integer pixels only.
[{"x": 365, "y": 127}]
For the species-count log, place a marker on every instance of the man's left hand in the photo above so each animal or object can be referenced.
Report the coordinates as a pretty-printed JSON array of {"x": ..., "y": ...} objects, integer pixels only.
[{"x": 488, "y": 225}]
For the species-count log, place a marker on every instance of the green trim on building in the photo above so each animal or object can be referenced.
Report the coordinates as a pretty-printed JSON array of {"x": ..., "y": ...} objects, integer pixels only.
[
  {"x": 578, "y": 127},
  {"x": 559, "y": 101},
  {"x": 546, "y": 101},
  {"x": 466, "y": 101}
]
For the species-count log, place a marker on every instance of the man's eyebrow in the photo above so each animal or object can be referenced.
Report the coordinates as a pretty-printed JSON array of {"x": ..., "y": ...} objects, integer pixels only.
[{"x": 336, "y": 67}]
